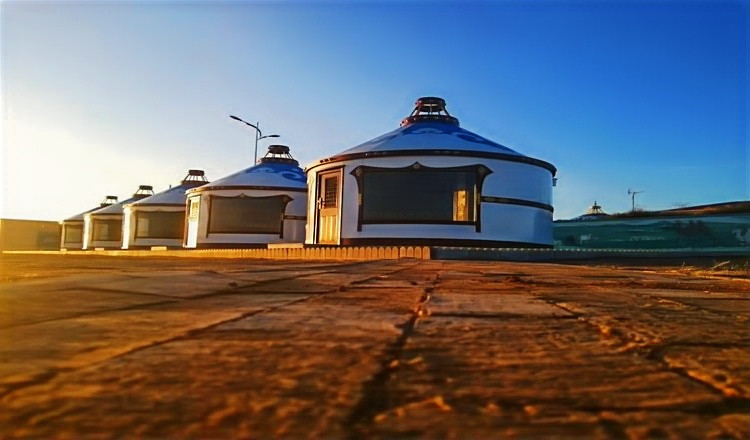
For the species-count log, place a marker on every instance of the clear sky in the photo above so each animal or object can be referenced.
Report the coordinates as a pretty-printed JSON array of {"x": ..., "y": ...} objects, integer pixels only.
[{"x": 100, "y": 97}]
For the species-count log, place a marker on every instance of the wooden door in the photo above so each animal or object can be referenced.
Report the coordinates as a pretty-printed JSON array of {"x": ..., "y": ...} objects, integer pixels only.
[
  {"x": 328, "y": 207},
  {"x": 191, "y": 233}
]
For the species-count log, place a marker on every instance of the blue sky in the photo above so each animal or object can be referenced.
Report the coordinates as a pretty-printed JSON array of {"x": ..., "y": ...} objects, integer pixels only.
[{"x": 99, "y": 97}]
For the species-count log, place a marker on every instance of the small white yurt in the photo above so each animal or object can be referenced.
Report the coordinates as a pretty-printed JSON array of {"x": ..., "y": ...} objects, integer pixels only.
[
  {"x": 159, "y": 220},
  {"x": 262, "y": 204},
  {"x": 102, "y": 228},
  {"x": 430, "y": 182},
  {"x": 71, "y": 237}
]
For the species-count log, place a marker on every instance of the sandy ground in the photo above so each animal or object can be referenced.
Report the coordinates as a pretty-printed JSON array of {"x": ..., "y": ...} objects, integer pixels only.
[{"x": 94, "y": 346}]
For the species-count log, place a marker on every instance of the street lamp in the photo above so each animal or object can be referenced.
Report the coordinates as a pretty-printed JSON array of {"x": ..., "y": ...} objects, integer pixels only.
[{"x": 258, "y": 134}]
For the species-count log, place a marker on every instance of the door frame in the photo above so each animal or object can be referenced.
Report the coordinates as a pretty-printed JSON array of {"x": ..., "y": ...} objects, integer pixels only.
[{"x": 318, "y": 185}]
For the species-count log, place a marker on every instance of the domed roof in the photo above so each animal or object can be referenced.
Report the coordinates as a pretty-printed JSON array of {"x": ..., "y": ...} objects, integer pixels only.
[
  {"x": 108, "y": 200},
  {"x": 430, "y": 136},
  {"x": 116, "y": 208},
  {"x": 430, "y": 129},
  {"x": 175, "y": 195},
  {"x": 277, "y": 169}
]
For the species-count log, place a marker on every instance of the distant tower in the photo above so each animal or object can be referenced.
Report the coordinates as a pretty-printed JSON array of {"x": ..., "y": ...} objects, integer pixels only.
[{"x": 632, "y": 195}]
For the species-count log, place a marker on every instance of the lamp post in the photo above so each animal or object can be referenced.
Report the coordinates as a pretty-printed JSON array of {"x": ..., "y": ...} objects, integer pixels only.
[{"x": 258, "y": 134}]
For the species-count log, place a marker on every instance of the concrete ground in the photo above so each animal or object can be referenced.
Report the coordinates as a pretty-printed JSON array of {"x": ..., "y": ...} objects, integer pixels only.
[{"x": 94, "y": 346}]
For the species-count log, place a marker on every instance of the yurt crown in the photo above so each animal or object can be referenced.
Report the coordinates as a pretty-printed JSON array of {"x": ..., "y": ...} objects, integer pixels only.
[
  {"x": 108, "y": 200},
  {"x": 144, "y": 191},
  {"x": 429, "y": 109},
  {"x": 595, "y": 209},
  {"x": 195, "y": 176},
  {"x": 278, "y": 153}
]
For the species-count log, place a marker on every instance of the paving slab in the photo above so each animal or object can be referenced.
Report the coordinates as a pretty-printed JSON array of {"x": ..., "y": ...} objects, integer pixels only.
[{"x": 101, "y": 347}]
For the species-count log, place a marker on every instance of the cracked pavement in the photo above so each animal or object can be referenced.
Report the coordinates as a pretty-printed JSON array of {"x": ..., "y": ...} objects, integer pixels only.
[{"x": 103, "y": 347}]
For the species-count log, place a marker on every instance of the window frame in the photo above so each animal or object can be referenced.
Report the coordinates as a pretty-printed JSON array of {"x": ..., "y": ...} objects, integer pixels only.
[
  {"x": 284, "y": 198},
  {"x": 65, "y": 233},
  {"x": 95, "y": 222},
  {"x": 478, "y": 170},
  {"x": 137, "y": 213}
]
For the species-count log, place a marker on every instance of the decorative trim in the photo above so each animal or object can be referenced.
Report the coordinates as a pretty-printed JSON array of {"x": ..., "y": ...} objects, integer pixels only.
[
  {"x": 437, "y": 152},
  {"x": 420, "y": 222},
  {"x": 521, "y": 202},
  {"x": 285, "y": 199},
  {"x": 480, "y": 172},
  {"x": 248, "y": 187},
  {"x": 394, "y": 241},
  {"x": 149, "y": 205}
]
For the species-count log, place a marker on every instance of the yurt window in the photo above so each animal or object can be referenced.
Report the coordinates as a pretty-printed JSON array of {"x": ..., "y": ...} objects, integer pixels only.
[
  {"x": 107, "y": 230},
  {"x": 159, "y": 224},
  {"x": 419, "y": 194},
  {"x": 73, "y": 233},
  {"x": 247, "y": 215}
]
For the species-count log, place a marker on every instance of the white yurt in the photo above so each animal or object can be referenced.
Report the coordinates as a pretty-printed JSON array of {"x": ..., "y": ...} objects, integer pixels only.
[
  {"x": 71, "y": 237},
  {"x": 430, "y": 182},
  {"x": 102, "y": 228},
  {"x": 159, "y": 220},
  {"x": 262, "y": 204}
]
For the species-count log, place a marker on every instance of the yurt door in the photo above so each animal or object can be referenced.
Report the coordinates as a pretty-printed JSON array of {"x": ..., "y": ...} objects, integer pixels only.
[
  {"x": 328, "y": 202},
  {"x": 191, "y": 235}
]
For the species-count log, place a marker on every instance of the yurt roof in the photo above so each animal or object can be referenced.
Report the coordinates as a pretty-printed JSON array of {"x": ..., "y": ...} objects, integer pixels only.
[
  {"x": 277, "y": 170},
  {"x": 430, "y": 129},
  {"x": 430, "y": 136},
  {"x": 108, "y": 200},
  {"x": 116, "y": 208},
  {"x": 175, "y": 195}
]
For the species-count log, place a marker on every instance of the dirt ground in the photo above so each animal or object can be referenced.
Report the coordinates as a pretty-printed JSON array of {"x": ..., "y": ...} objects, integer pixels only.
[{"x": 99, "y": 347}]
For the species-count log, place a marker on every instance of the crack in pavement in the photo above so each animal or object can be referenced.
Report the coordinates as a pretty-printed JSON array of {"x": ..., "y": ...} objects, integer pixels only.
[
  {"x": 375, "y": 394},
  {"x": 50, "y": 374},
  {"x": 655, "y": 354}
]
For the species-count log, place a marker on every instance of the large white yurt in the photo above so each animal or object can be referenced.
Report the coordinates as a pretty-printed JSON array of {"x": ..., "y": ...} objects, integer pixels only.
[
  {"x": 102, "y": 228},
  {"x": 430, "y": 182},
  {"x": 159, "y": 220},
  {"x": 262, "y": 204},
  {"x": 71, "y": 237}
]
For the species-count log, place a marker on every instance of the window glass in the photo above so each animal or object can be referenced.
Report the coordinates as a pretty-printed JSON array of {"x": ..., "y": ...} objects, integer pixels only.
[
  {"x": 73, "y": 233},
  {"x": 247, "y": 215},
  {"x": 330, "y": 192},
  {"x": 159, "y": 224},
  {"x": 194, "y": 209},
  {"x": 107, "y": 230},
  {"x": 418, "y": 196}
]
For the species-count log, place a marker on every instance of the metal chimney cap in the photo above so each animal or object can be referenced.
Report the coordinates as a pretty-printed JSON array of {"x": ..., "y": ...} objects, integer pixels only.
[
  {"x": 278, "y": 149},
  {"x": 430, "y": 101},
  {"x": 429, "y": 109}
]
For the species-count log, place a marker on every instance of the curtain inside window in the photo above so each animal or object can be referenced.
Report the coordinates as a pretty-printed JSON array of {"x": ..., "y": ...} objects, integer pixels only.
[
  {"x": 418, "y": 196},
  {"x": 159, "y": 224},
  {"x": 247, "y": 215},
  {"x": 73, "y": 233},
  {"x": 107, "y": 230}
]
